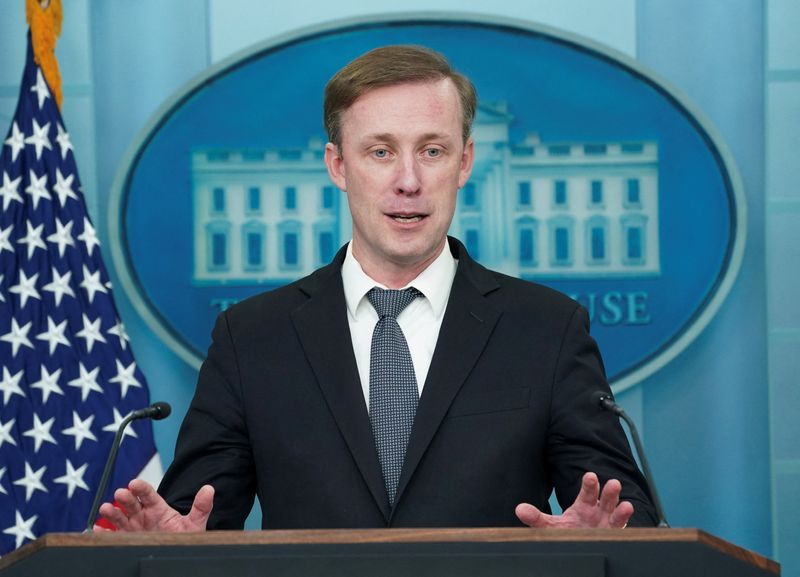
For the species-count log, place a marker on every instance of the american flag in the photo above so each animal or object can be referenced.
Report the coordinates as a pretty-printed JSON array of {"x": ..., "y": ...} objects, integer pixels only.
[{"x": 67, "y": 372}]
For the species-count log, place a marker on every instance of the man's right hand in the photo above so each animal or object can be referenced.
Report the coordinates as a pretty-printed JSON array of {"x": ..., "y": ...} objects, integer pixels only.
[{"x": 143, "y": 509}]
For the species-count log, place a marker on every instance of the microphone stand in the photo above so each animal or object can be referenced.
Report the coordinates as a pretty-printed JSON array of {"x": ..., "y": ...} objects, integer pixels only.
[
  {"x": 156, "y": 411},
  {"x": 606, "y": 402}
]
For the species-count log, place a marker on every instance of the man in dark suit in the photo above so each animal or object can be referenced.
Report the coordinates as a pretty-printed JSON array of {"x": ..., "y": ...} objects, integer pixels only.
[{"x": 498, "y": 372}]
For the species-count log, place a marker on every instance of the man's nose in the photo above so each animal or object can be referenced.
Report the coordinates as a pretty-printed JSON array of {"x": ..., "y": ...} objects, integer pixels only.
[{"x": 407, "y": 179}]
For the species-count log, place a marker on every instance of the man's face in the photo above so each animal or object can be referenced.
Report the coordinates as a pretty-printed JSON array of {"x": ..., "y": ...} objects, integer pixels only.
[{"x": 401, "y": 162}]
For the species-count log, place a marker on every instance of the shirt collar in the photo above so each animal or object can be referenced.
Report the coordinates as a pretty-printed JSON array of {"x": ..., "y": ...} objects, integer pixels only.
[{"x": 434, "y": 282}]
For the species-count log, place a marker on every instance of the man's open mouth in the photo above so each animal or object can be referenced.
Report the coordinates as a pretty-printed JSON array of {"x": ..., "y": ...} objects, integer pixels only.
[{"x": 407, "y": 218}]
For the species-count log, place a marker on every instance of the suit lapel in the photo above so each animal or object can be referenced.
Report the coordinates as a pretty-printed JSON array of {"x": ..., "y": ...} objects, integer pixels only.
[
  {"x": 321, "y": 324},
  {"x": 467, "y": 325}
]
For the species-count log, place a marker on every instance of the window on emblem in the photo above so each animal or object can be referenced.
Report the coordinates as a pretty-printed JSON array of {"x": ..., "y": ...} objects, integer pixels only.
[
  {"x": 254, "y": 256},
  {"x": 634, "y": 243},
  {"x": 253, "y": 199},
  {"x": 217, "y": 246},
  {"x": 328, "y": 197},
  {"x": 633, "y": 192},
  {"x": 290, "y": 198},
  {"x": 527, "y": 253},
  {"x": 469, "y": 196},
  {"x": 634, "y": 249},
  {"x": 524, "y": 197},
  {"x": 218, "y": 199},
  {"x": 290, "y": 252},
  {"x": 560, "y": 193},
  {"x": 560, "y": 239},
  {"x": 596, "y": 192},
  {"x": 219, "y": 249}
]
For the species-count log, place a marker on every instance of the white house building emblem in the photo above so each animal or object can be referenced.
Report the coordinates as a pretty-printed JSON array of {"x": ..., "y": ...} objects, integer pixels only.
[{"x": 590, "y": 176}]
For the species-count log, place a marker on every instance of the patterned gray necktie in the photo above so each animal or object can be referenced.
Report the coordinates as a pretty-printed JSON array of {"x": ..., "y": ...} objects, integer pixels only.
[{"x": 393, "y": 393}]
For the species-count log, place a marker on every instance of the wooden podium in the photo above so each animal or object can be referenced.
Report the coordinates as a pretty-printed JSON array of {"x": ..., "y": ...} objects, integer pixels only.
[{"x": 389, "y": 552}]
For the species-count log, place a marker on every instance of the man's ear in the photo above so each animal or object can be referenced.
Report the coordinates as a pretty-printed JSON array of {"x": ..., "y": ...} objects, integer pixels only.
[
  {"x": 466, "y": 163},
  {"x": 335, "y": 163}
]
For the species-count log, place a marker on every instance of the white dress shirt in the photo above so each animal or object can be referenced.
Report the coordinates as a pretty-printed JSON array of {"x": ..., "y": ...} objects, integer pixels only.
[{"x": 420, "y": 321}]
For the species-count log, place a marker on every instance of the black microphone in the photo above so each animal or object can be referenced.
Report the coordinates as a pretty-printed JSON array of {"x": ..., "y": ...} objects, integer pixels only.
[
  {"x": 606, "y": 402},
  {"x": 156, "y": 411}
]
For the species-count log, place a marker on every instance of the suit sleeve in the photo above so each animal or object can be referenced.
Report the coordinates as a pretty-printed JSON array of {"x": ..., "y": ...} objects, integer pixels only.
[
  {"x": 213, "y": 445},
  {"x": 582, "y": 437}
]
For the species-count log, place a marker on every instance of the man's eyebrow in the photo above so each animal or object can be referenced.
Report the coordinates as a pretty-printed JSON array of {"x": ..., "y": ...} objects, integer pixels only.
[
  {"x": 389, "y": 137},
  {"x": 379, "y": 136}
]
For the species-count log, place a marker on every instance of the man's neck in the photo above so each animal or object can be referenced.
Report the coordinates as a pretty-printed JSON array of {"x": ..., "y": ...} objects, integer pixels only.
[{"x": 395, "y": 275}]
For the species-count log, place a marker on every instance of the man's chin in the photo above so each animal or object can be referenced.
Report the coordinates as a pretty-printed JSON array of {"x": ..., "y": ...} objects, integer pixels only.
[{"x": 413, "y": 255}]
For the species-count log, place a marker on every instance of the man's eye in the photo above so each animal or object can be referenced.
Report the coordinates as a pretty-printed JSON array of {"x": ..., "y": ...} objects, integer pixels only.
[
  {"x": 381, "y": 153},
  {"x": 433, "y": 152}
]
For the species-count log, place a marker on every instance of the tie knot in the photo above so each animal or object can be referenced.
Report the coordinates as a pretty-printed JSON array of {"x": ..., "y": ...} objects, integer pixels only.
[{"x": 390, "y": 303}]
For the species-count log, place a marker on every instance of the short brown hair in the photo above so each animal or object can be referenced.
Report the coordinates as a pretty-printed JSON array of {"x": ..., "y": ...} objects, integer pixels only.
[{"x": 388, "y": 66}]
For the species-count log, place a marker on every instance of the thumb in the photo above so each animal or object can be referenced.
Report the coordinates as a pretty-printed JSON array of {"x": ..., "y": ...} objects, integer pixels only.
[
  {"x": 201, "y": 507},
  {"x": 532, "y": 516}
]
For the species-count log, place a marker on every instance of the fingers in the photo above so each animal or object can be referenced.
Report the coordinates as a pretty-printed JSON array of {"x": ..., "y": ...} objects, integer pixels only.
[
  {"x": 139, "y": 507},
  {"x": 621, "y": 515},
  {"x": 592, "y": 507},
  {"x": 115, "y": 516},
  {"x": 145, "y": 494},
  {"x": 97, "y": 528},
  {"x": 609, "y": 497},
  {"x": 532, "y": 516},
  {"x": 590, "y": 490},
  {"x": 128, "y": 501},
  {"x": 201, "y": 507}
]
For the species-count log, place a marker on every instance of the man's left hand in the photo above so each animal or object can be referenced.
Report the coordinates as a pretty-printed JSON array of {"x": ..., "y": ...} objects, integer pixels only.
[{"x": 592, "y": 508}]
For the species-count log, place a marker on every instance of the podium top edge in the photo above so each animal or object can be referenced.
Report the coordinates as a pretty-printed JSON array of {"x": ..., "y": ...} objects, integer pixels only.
[{"x": 404, "y": 535}]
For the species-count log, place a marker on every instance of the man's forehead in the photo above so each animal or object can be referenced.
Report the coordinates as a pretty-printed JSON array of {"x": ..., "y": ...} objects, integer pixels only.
[
  {"x": 435, "y": 99},
  {"x": 442, "y": 86}
]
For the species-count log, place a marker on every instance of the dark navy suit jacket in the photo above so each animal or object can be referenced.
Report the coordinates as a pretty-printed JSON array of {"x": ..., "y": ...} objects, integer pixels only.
[{"x": 504, "y": 417}]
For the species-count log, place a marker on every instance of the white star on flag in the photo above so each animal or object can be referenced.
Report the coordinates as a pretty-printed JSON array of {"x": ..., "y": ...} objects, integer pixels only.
[
  {"x": 62, "y": 237},
  {"x": 89, "y": 236},
  {"x": 113, "y": 426},
  {"x": 25, "y": 288},
  {"x": 5, "y": 433},
  {"x": 37, "y": 188},
  {"x": 40, "y": 432},
  {"x": 125, "y": 377},
  {"x": 73, "y": 478},
  {"x": 32, "y": 481},
  {"x": 22, "y": 529},
  {"x": 16, "y": 141},
  {"x": 63, "y": 187},
  {"x": 48, "y": 383},
  {"x": 10, "y": 385},
  {"x": 91, "y": 332},
  {"x": 4, "y": 242},
  {"x": 91, "y": 283},
  {"x": 80, "y": 429},
  {"x": 33, "y": 239},
  {"x": 39, "y": 138},
  {"x": 2, "y": 474},
  {"x": 118, "y": 330},
  {"x": 60, "y": 286},
  {"x": 40, "y": 88},
  {"x": 86, "y": 382},
  {"x": 63, "y": 141},
  {"x": 54, "y": 335},
  {"x": 17, "y": 336},
  {"x": 8, "y": 191}
]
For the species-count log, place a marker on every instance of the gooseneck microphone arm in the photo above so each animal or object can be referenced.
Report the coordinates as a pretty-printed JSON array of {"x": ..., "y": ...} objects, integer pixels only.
[
  {"x": 606, "y": 402},
  {"x": 156, "y": 411}
]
